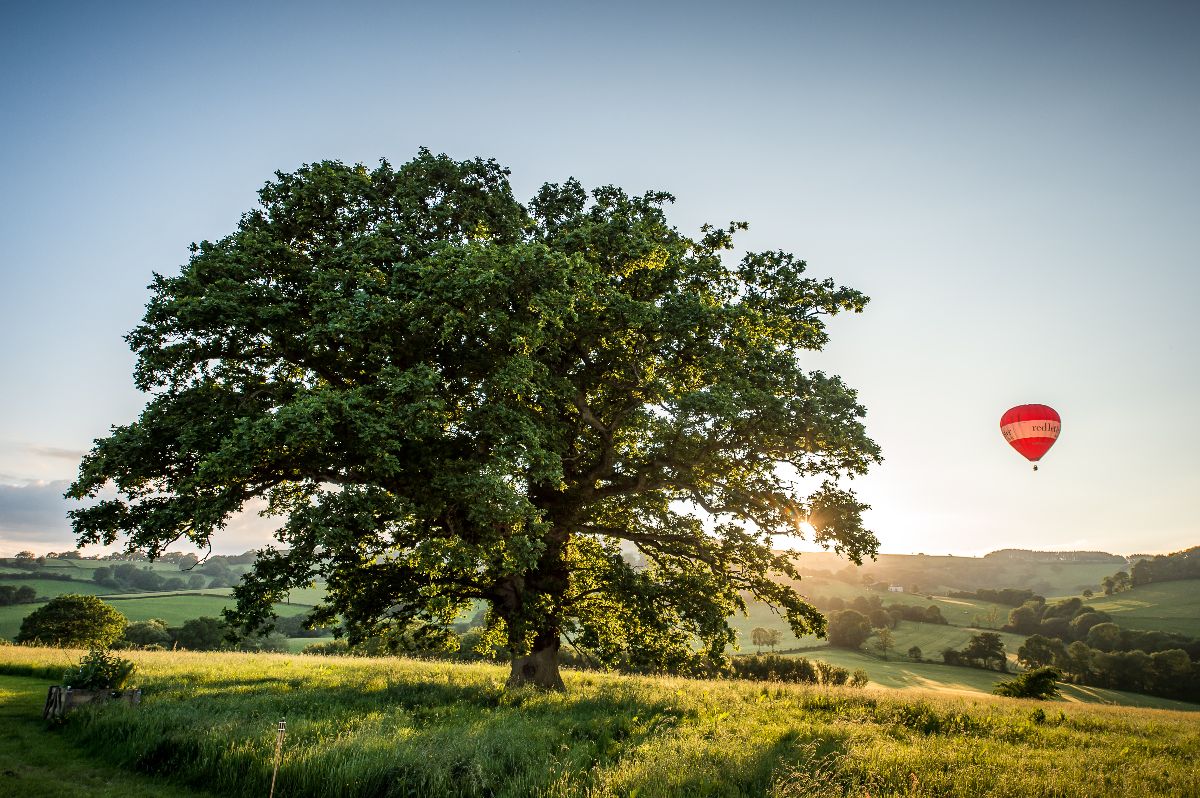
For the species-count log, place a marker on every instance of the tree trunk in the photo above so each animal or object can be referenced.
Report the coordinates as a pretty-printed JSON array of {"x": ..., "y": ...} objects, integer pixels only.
[
  {"x": 540, "y": 667},
  {"x": 548, "y": 580}
]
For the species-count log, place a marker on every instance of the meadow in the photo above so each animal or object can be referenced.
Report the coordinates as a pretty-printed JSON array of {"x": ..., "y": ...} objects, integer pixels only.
[
  {"x": 941, "y": 574},
  {"x": 359, "y": 727},
  {"x": 35, "y": 763},
  {"x": 174, "y": 608},
  {"x": 1160, "y": 606},
  {"x": 900, "y": 673}
]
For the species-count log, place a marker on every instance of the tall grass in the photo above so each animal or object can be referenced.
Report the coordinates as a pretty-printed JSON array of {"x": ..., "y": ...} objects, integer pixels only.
[{"x": 393, "y": 727}]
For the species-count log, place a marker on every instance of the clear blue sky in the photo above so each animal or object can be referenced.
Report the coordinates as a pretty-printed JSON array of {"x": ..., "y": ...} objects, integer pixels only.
[{"x": 1016, "y": 186}]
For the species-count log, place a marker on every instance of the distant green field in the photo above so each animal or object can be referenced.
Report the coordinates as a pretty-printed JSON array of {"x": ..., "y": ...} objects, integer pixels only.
[
  {"x": 174, "y": 608},
  {"x": 179, "y": 608},
  {"x": 933, "y": 639},
  {"x": 1162, "y": 606},
  {"x": 49, "y": 588},
  {"x": 306, "y": 596},
  {"x": 939, "y": 574},
  {"x": 957, "y": 612},
  {"x": 901, "y": 674},
  {"x": 960, "y": 612}
]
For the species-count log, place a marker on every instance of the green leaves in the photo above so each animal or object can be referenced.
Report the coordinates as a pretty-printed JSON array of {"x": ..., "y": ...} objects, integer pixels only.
[
  {"x": 72, "y": 621},
  {"x": 448, "y": 397},
  {"x": 99, "y": 670}
]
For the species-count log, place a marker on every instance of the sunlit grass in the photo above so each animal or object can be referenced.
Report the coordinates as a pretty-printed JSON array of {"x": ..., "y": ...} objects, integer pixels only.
[{"x": 361, "y": 727}]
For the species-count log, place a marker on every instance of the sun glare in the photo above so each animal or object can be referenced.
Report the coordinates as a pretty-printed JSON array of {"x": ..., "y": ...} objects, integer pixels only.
[{"x": 808, "y": 529}]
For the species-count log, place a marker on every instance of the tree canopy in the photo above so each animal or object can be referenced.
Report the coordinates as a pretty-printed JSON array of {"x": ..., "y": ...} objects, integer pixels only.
[
  {"x": 74, "y": 621},
  {"x": 447, "y": 396},
  {"x": 848, "y": 629}
]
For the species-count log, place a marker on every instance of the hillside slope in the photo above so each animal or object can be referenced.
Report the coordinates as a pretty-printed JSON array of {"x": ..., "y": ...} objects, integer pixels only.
[{"x": 1159, "y": 606}]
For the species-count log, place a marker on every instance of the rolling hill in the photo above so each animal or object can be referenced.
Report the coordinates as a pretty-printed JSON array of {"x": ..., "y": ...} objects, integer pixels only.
[{"x": 1160, "y": 606}]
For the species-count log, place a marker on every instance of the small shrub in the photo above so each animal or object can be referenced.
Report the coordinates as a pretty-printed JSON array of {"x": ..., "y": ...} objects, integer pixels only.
[
  {"x": 796, "y": 670},
  {"x": 831, "y": 674},
  {"x": 270, "y": 642},
  {"x": 144, "y": 634},
  {"x": 99, "y": 670},
  {"x": 331, "y": 647},
  {"x": 1040, "y": 683},
  {"x": 773, "y": 668}
]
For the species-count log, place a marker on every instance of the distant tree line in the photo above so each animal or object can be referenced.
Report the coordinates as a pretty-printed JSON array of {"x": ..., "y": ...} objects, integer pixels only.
[
  {"x": 877, "y": 614},
  {"x": 183, "y": 559},
  {"x": 1089, "y": 648},
  {"x": 1171, "y": 673},
  {"x": 1053, "y": 556},
  {"x": 796, "y": 670},
  {"x": 1068, "y": 619},
  {"x": 128, "y": 576},
  {"x": 10, "y": 594},
  {"x": 1008, "y": 596},
  {"x": 473, "y": 645},
  {"x": 37, "y": 573},
  {"x": 1117, "y": 583},
  {"x": 1167, "y": 567}
]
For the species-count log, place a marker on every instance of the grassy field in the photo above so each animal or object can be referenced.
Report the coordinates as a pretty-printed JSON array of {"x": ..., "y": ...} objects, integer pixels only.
[
  {"x": 36, "y": 763},
  {"x": 1163, "y": 606},
  {"x": 83, "y": 569},
  {"x": 932, "y": 638},
  {"x": 49, "y": 588},
  {"x": 174, "y": 608},
  {"x": 939, "y": 574},
  {"x": 395, "y": 727},
  {"x": 900, "y": 673},
  {"x": 960, "y": 612}
]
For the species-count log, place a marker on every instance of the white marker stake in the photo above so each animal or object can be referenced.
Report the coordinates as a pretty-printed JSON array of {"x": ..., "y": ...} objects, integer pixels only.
[{"x": 278, "y": 753}]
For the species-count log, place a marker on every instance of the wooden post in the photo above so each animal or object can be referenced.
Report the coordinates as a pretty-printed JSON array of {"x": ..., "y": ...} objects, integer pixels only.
[{"x": 278, "y": 752}]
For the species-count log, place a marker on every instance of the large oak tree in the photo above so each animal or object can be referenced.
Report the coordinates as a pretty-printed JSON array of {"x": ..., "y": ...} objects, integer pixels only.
[{"x": 448, "y": 397}]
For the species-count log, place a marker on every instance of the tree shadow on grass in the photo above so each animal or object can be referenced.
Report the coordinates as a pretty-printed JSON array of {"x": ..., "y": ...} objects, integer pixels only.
[
  {"x": 795, "y": 763},
  {"x": 427, "y": 738}
]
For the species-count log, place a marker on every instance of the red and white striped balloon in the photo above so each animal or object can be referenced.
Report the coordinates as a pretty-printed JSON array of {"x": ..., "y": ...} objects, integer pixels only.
[{"x": 1031, "y": 430}]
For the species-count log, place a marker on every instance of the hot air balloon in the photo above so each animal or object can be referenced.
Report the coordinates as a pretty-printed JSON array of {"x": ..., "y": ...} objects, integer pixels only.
[{"x": 1031, "y": 430}]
